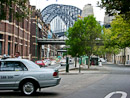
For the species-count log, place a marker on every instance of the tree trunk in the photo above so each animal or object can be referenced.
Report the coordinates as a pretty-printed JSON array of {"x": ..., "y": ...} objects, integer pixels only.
[
  {"x": 124, "y": 57},
  {"x": 114, "y": 58},
  {"x": 88, "y": 62},
  {"x": 75, "y": 62}
]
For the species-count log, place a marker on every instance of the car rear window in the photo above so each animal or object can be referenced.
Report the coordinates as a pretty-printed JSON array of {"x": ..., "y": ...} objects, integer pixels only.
[{"x": 38, "y": 61}]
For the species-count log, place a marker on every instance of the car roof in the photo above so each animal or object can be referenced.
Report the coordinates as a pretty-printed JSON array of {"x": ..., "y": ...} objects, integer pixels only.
[
  {"x": 25, "y": 61},
  {"x": 13, "y": 59}
]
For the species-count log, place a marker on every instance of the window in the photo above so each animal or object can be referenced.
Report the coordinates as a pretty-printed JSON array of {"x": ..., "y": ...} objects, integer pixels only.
[
  {"x": 20, "y": 66},
  {"x": 10, "y": 15},
  {"x": 0, "y": 47},
  {"x": 9, "y": 38},
  {"x": 1, "y": 36},
  {"x": 22, "y": 22},
  {"x": 8, "y": 48},
  {"x": 16, "y": 48},
  {"x": 12, "y": 66},
  {"x": 7, "y": 66},
  {"x": 10, "y": 11},
  {"x": 16, "y": 39},
  {"x": 17, "y": 22}
]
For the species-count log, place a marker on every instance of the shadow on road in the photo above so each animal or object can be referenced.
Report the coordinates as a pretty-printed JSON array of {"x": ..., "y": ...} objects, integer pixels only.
[{"x": 13, "y": 94}]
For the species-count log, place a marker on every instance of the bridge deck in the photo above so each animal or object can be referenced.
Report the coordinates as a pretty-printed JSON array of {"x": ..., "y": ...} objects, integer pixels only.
[{"x": 51, "y": 41}]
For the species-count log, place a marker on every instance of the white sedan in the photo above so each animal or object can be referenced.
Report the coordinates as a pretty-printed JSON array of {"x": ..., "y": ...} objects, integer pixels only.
[
  {"x": 63, "y": 62},
  {"x": 102, "y": 60},
  {"x": 47, "y": 62},
  {"x": 25, "y": 75}
]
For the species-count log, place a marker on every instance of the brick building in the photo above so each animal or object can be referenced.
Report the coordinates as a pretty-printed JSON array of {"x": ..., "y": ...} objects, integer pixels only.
[
  {"x": 22, "y": 36},
  {"x": 40, "y": 30},
  {"x": 15, "y": 35}
]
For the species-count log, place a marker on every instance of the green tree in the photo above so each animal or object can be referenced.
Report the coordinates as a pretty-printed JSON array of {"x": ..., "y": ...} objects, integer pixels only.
[
  {"x": 117, "y": 6},
  {"x": 7, "y": 7},
  {"x": 120, "y": 32},
  {"x": 108, "y": 40},
  {"x": 99, "y": 51},
  {"x": 82, "y": 37},
  {"x": 118, "y": 36}
]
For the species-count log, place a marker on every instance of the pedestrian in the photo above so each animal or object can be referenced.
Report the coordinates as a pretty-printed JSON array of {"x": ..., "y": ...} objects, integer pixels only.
[
  {"x": 100, "y": 63},
  {"x": 17, "y": 55}
]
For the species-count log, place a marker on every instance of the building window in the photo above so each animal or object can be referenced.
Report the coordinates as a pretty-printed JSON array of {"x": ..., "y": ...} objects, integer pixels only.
[
  {"x": 0, "y": 47},
  {"x": 16, "y": 39},
  {"x": 8, "y": 48},
  {"x": 22, "y": 22},
  {"x": 9, "y": 38},
  {"x": 10, "y": 11},
  {"x": 17, "y": 23},
  {"x": 1, "y": 36},
  {"x": 16, "y": 48}
]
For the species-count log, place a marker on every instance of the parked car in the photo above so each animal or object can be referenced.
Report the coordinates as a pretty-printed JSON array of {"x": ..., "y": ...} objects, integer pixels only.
[
  {"x": 47, "y": 62},
  {"x": 26, "y": 76},
  {"x": 40, "y": 63},
  {"x": 53, "y": 62},
  {"x": 102, "y": 60},
  {"x": 63, "y": 62},
  {"x": 71, "y": 61}
]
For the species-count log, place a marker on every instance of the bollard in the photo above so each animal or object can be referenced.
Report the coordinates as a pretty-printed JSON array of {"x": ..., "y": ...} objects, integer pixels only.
[{"x": 67, "y": 64}]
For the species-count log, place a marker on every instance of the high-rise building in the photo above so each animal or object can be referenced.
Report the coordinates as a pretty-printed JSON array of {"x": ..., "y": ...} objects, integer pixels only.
[
  {"x": 107, "y": 20},
  {"x": 87, "y": 10}
]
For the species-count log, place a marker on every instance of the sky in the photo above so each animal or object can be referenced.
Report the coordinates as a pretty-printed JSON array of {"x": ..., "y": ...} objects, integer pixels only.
[{"x": 98, "y": 12}]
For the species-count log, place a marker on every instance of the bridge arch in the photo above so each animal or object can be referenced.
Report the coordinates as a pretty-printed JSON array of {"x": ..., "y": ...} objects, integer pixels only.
[{"x": 67, "y": 13}]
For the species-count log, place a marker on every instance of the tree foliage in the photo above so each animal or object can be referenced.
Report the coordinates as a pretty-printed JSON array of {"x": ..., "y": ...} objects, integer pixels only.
[
  {"x": 81, "y": 37},
  {"x": 99, "y": 51},
  {"x": 118, "y": 36},
  {"x": 114, "y": 6},
  {"x": 8, "y": 7},
  {"x": 120, "y": 32},
  {"x": 110, "y": 45}
]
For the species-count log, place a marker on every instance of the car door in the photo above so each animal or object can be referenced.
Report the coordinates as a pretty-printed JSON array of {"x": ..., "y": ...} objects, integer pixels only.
[{"x": 10, "y": 72}]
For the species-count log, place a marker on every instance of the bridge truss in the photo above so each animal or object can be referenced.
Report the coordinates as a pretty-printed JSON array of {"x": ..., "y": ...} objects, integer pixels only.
[{"x": 69, "y": 14}]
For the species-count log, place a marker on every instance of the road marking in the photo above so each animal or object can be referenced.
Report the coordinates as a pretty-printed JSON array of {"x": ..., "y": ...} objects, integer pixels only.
[{"x": 124, "y": 94}]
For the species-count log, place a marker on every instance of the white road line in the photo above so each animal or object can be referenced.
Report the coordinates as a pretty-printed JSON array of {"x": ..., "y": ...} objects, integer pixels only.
[{"x": 124, "y": 94}]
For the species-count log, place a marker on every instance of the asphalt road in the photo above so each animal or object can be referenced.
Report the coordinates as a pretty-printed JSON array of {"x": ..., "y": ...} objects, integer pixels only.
[
  {"x": 109, "y": 81},
  {"x": 115, "y": 85}
]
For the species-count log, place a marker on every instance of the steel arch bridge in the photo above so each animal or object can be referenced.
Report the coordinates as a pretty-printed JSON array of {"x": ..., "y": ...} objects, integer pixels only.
[{"x": 67, "y": 13}]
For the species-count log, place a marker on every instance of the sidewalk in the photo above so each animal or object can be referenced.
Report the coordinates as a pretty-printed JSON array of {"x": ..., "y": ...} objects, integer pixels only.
[{"x": 84, "y": 70}]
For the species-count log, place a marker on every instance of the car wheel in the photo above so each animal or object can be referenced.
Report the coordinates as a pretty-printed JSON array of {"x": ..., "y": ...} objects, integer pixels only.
[{"x": 28, "y": 88}]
